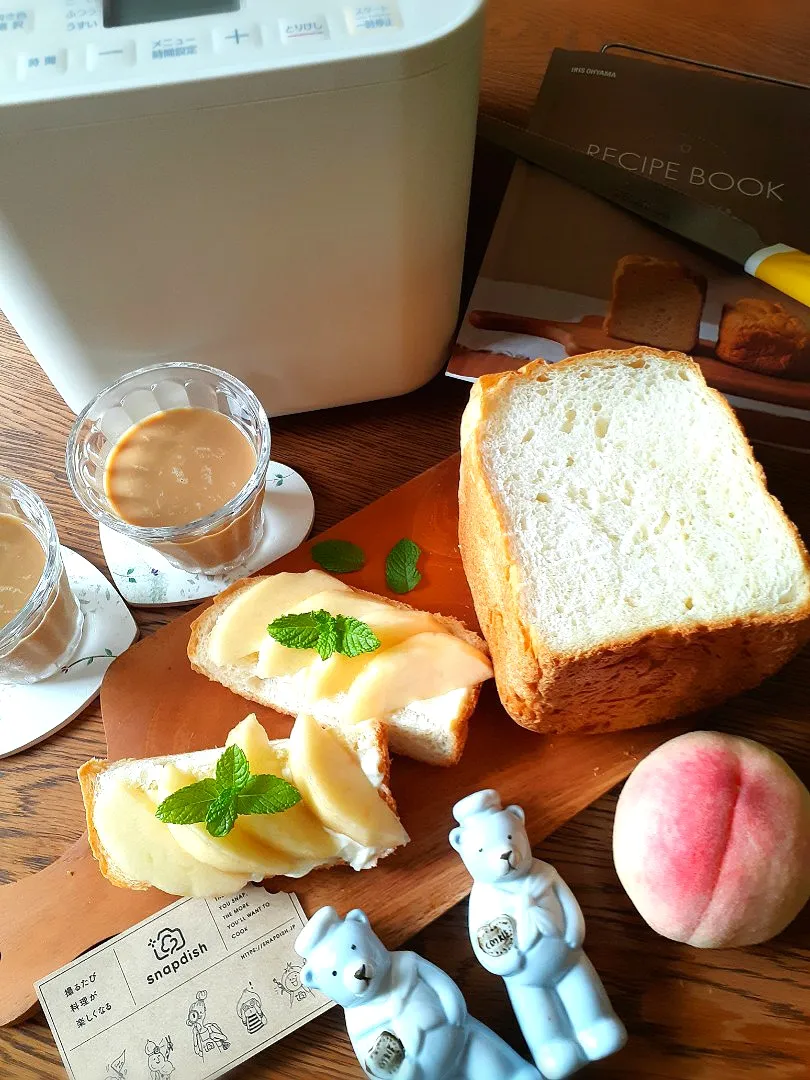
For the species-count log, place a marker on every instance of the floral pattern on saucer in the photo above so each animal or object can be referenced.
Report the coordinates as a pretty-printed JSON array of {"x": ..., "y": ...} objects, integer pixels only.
[
  {"x": 146, "y": 579},
  {"x": 29, "y": 714}
]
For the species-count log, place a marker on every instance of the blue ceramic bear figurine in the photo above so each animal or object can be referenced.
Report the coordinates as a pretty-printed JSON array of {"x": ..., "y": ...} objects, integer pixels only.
[
  {"x": 526, "y": 926},
  {"x": 405, "y": 1017}
]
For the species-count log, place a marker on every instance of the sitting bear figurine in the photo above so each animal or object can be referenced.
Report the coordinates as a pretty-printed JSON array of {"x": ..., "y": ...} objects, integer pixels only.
[
  {"x": 405, "y": 1017},
  {"x": 526, "y": 926}
]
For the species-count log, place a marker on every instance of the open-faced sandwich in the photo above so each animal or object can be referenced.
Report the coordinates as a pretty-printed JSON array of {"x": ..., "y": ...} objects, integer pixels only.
[
  {"x": 311, "y": 643},
  {"x": 357, "y": 671},
  {"x": 207, "y": 822}
]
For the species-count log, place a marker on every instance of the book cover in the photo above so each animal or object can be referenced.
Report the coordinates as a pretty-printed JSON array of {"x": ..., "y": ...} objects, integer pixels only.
[{"x": 567, "y": 272}]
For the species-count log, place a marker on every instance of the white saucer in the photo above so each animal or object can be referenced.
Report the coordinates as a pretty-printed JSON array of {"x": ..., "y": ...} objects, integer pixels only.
[
  {"x": 146, "y": 579},
  {"x": 29, "y": 714}
]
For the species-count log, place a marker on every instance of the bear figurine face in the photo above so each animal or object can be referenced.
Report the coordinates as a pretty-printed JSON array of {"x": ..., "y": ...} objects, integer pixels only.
[
  {"x": 494, "y": 845},
  {"x": 348, "y": 963}
]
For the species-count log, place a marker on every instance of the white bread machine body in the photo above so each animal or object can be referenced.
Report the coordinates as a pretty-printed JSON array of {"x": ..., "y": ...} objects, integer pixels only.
[{"x": 273, "y": 191}]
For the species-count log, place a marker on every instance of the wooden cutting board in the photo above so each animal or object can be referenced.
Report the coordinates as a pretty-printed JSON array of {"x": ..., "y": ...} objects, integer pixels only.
[
  {"x": 589, "y": 335},
  {"x": 153, "y": 703}
]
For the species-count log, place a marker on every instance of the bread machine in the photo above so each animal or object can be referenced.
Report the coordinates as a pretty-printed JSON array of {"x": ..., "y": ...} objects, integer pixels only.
[{"x": 274, "y": 187}]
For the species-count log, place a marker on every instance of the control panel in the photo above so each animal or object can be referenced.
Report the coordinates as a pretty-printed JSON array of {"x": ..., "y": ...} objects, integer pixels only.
[{"x": 78, "y": 46}]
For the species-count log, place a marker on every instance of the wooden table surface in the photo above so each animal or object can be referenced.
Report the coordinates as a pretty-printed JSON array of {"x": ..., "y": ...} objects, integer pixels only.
[{"x": 736, "y": 1015}]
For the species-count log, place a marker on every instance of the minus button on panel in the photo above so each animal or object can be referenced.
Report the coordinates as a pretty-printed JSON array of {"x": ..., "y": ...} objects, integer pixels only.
[{"x": 111, "y": 56}]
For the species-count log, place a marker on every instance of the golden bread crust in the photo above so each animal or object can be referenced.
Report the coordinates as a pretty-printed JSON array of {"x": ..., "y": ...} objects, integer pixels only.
[
  {"x": 88, "y": 778},
  {"x": 623, "y": 683}
]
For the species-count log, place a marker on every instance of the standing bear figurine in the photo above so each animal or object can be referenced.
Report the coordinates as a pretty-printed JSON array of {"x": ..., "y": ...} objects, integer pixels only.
[
  {"x": 526, "y": 926},
  {"x": 405, "y": 1017}
]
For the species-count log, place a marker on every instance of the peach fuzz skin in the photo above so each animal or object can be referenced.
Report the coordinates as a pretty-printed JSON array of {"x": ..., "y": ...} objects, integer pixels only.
[{"x": 711, "y": 841}]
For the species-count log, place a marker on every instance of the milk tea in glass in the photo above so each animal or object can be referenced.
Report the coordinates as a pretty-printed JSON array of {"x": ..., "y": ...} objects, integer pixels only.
[
  {"x": 40, "y": 619},
  {"x": 175, "y": 456}
]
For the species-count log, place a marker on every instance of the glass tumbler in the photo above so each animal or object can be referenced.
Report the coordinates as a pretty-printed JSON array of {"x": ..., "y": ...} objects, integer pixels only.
[
  {"x": 45, "y": 633},
  {"x": 211, "y": 545}
]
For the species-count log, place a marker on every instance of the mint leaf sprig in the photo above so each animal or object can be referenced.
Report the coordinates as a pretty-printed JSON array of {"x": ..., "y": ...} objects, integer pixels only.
[
  {"x": 327, "y": 633},
  {"x": 233, "y": 792},
  {"x": 401, "y": 574},
  {"x": 338, "y": 556},
  {"x": 344, "y": 557}
]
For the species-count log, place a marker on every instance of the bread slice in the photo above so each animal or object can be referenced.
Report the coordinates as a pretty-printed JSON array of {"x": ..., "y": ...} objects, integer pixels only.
[
  {"x": 366, "y": 740},
  {"x": 656, "y": 302},
  {"x": 625, "y": 558},
  {"x": 433, "y": 730}
]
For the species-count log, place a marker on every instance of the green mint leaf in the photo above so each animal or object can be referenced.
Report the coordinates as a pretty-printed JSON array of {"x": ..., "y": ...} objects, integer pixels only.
[
  {"x": 222, "y": 813},
  {"x": 267, "y": 794},
  {"x": 297, "y": 631},
  {"x": 188, "y": 805},
  {"x": 338, "y": 556},
  {"x": 328, "y": 639},
  {"x": 233, "y": 771},
  {"x": 400, "y": 566},
  {"x": 326, "y": 633},
  {"x": 259, "y": 804},
  {"x": 307, "y": 630},
  {"x": 355, "y": 637}
]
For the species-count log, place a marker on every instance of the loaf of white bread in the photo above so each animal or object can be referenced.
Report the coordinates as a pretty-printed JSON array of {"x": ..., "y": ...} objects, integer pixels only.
[
  {"x": 626, "y": 560},
  {"x": 346, "y": 813},
  {"x": 427, "y": 672}
]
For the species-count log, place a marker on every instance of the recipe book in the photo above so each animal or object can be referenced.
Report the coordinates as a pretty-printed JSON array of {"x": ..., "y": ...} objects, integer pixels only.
[{"x": 567, "y": 272}]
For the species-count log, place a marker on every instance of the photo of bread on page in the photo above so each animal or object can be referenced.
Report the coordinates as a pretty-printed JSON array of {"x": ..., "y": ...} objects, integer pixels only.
[
  {"x": 660, "y": 302},
  {"x": 567, "y": 272},
  {"x": 749, "y": 342}
]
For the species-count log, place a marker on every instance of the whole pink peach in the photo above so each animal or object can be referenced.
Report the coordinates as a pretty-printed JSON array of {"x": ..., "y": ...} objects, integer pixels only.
[{"x": 712, "y": 841}]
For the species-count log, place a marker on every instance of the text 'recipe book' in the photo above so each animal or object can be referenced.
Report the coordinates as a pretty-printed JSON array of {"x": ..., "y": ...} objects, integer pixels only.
[{"x": 567, "y": 272}]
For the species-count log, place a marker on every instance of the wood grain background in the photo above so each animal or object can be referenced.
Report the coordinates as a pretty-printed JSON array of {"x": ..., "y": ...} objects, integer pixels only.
[{"x": 737, "y": 1015}]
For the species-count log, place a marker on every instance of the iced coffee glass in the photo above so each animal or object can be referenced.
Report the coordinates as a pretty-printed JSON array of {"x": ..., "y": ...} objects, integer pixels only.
[
  {"x": 40, "y": 620},
  {"x": 175, "y": 456}
]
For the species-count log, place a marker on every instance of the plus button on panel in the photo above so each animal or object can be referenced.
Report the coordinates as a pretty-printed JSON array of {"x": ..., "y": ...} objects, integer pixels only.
[{"x": 235, "y": 39}]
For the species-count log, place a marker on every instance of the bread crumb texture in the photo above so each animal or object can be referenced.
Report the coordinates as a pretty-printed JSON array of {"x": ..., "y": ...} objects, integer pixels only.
[{"x": 632, "y": 502}]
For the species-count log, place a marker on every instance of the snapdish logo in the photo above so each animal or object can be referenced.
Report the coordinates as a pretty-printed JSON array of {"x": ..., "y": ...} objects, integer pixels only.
[
  {"x": 170, "y": 945},
  {"x": 168, "y": 941}
]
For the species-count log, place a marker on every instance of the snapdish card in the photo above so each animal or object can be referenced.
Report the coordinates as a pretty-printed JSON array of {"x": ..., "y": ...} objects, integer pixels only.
[{"x": 191, "y": 992}]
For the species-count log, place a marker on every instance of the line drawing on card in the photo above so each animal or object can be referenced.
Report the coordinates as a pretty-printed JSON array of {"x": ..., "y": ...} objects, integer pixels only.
[
  {"x": 290, "y": 983},
  {"x": 249, "y": 1010},
  {"x": 157, "y": 1058},
  {"x": 116, "y": 1070},
  {"x": 205, "y": 1036}
]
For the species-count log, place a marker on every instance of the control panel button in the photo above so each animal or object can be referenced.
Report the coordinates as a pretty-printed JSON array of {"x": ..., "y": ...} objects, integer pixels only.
[
  {"x": 237, "y": 39},
  {"x": 109, "y": 57},
  {"x": 42, "y": 65},
  {"x": 82, "y": 17},
  {"x": 172, "y": 47},
  {"x": 14, "y": 21},
  {"x": 304, "y": 29},
  {"x": 368, "y": 18}
]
